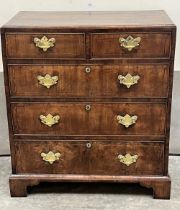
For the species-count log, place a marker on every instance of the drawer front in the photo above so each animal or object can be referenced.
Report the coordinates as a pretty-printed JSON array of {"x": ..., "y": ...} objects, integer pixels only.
[
  {"x": 134, "y": 45},
  {"x": 126, "y": 158},
  {"x": 108, "y": 81},
  {"x": 89, "y": 119},
  {"x": 81, "y": 157},
  {"x": 65, "y": 46},
  {"x": 50, "y": 157}
]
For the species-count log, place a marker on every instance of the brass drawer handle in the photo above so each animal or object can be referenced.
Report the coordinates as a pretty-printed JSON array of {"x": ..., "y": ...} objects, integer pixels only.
[
  {"x": 49, "y": 120},
  {"x": 50, "y": 157},
  {"x": 44, "y": 43},
  {"x": 127, "y": 120},
  {"x": 127, "y": 159},
  {"x": 128, "y": 80},
  {"x": 47, "y": 80},
  {"x": 88, "y": 107},
  {"x": 129, "y": 43}
]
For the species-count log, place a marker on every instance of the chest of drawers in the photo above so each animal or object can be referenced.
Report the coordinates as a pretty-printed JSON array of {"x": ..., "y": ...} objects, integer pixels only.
[{"x": 89, "y": 97}]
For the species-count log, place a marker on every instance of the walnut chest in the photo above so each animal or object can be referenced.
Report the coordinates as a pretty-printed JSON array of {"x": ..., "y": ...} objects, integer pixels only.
[{"x": 89, "y": 97}]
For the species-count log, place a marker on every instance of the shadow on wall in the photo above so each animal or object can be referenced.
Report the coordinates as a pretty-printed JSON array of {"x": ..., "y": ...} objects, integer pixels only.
[
  {"x": 4, "y": 142},
  {"x": 1, "y": 65}
]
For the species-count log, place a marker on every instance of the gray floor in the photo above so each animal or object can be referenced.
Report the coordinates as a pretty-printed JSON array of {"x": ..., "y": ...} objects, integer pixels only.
[
  {"x": 4, "y": 145},
  {"x": 175, "y": 122},
  {"x": 89, "y": 197}
]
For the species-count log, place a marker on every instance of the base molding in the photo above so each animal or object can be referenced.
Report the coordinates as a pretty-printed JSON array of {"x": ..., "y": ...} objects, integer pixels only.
[{"x": 161, "y": 185}]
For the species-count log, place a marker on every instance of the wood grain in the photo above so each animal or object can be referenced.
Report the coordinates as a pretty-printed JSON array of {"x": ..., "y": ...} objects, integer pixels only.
[
  {"x": 100, "y": 46},
  {"x": 104, "y": 160},
  {"x": 161, "y": 185},
  {"x": 67, "y": 46},
  {"x": 73, "y": 159},
  {"x": 100, "y": 159},
  {"x": 100, "y": 120},
  {"x": 101, "y": 82},
  {"x": 116, "y": 19}
]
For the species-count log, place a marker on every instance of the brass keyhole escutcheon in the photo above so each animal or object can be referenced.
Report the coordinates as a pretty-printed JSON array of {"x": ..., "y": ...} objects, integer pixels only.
[
  {"x": 88, "y": 107},
  {"x": 88, "y": 70},
  {"x": 88, "y": 145}
]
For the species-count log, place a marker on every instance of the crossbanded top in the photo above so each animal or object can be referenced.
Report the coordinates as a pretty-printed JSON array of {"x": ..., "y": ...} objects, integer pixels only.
[{"x": 115, "y": 19}]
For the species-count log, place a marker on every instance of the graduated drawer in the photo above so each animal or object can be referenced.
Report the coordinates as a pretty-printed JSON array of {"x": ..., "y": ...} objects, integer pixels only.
[
  {"x": 100, "y": 81},
  {"x": 89, "y": 118},
  {"x": 130, "y": 45},
  {"x": 64, "y": 46},
  {"x": 81, "y": 157}
]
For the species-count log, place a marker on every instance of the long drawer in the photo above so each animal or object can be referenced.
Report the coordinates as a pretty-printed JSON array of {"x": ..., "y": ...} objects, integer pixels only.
[
  {"x": 130, "y": 45},
  {"x": 89, "y": 81},
  {"x": 81, "y": 157},
  {"x": 45, "y": 46},
  {"x": 89, "y": 119}
]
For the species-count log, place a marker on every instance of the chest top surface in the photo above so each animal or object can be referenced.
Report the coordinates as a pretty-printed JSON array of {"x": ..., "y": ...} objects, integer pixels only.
[{"x": 128, "y": 19}]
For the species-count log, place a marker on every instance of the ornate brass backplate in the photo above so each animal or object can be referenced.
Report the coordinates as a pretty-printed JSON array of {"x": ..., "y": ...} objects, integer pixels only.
[
  {"x": 129, "y": 43},
  {"x": 50, "y": 157},
  {"x": 128, "y": 80},
  {"x": 44, "y": 43},
  {"x": 47, "y": 80},
  {"x": 127, "y": 120},
  {"x": 127, "y": 159},
  {"x": 49, "y": 120}
]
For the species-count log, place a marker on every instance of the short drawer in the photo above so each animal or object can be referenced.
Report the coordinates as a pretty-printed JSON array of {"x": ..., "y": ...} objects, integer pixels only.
[
  {"x": 82, "y": 157},
  {"x": 51, "y": 157},
  {"x": 40, "y": 46},
  {"x": 89, "y": 118},
  {"x": 130, "y": 45},
  {"x": 126, "y": 158},
  {"x": 89, "y": 81}
]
